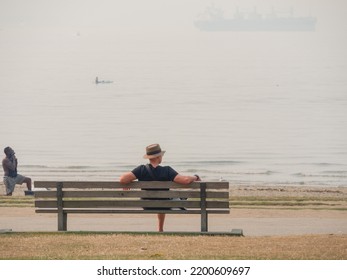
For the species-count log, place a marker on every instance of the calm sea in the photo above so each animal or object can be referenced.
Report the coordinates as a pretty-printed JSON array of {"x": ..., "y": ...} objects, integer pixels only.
[{"x": 252, "y": 108}]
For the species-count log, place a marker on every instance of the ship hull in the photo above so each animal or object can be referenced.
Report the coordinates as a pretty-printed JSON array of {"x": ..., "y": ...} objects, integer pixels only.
[{"x": 285, "y": 24}]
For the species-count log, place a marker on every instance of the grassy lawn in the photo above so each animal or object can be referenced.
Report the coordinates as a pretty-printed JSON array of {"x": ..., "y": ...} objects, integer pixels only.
[
  {"x": 84, "y": 246},
  {"x": 16, "y": 201}
]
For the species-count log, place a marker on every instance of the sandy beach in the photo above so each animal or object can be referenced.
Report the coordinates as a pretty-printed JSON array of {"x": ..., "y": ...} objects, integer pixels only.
[
  {"x": 293, "y": 210},
  {"x": 257, "y": 190}
]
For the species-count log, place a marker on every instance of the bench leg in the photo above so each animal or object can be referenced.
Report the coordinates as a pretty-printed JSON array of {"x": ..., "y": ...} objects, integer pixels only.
[
  {"x": 62, "y": 221},
  {"x": 203, "y": 205},
  {"x": 62, "y": 217},
  {"x": 204, "y": 222}
]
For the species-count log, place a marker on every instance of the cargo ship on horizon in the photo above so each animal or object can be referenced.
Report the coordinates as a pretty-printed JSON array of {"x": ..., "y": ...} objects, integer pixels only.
[{"x": 213, "y": 19}]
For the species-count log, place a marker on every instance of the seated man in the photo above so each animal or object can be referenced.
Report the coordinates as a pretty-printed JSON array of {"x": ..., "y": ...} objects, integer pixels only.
[
  {"x": 155, "y": 172},
  {"x": 11, "y": 176}
]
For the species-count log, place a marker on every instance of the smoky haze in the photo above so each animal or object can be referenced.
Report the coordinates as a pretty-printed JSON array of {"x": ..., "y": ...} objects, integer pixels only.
[
  {"x": 156, "y": 15},
  {"x": 253, "y": 99}
]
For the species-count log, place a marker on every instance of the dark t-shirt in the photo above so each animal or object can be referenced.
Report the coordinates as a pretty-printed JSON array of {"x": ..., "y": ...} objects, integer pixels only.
[{"x": 161, "y": 173}]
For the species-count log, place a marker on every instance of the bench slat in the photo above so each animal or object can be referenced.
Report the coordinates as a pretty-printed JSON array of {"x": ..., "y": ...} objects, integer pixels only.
[
  {"x": 129, "y": 203},
  {"x": 139, "y": 194},
  {"x": 135, "y": 185},
  {"x": 128, "y": 211}
]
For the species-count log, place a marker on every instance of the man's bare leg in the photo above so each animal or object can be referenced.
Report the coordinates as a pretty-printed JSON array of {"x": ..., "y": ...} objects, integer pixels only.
[
  {"x": 161, "y": 220},
  {"x": 28, "y": 182}
]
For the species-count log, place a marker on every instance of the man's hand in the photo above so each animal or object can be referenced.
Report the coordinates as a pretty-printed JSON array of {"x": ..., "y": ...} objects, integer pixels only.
[{"x": 197, "y": 177}]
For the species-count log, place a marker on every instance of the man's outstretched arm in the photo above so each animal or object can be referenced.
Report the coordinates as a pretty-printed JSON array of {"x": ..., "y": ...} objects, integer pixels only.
[
  {"x": 186, "y": 180},
  {"x": 127, "y": 178}
]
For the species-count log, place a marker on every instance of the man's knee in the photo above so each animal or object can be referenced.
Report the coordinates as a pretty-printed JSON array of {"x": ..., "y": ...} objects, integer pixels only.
[{"x": 27, "y": 180}]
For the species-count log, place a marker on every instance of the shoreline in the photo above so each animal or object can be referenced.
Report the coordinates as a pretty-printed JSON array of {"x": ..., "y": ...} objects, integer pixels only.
[
  {"x": 257, "y": 190},
  {"x": 292, "y": 191}
]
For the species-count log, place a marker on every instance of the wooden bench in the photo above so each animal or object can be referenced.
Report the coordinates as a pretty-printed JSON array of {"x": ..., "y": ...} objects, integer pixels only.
[{"x": 78, "y": 197}]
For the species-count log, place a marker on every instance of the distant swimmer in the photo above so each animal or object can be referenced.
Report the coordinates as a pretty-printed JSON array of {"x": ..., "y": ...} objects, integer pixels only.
[{"x": 102, "y": 82}]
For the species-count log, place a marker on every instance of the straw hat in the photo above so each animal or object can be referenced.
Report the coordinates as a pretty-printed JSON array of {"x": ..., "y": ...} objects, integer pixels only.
[{"x": 153, "y": 151}]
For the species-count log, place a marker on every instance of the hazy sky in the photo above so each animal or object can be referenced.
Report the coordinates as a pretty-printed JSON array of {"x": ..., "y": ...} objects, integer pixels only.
[
  {"x": 154, "y": 14},
  {"x": 118, "y": 56},
  {"x": 163, "y": 17}
]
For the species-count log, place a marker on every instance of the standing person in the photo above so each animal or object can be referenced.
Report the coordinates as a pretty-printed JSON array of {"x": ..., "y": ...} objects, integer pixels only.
[
  {"x": 11, "y": 176},
  {"x": 155, "y": 172}
]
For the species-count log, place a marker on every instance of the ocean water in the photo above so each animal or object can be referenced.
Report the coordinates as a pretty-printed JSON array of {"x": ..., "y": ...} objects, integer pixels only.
[{"x": 253, "y": 108}]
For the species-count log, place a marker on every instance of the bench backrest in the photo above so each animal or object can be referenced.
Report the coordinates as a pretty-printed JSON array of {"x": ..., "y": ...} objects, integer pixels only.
[{"x": 110, "y": 195}]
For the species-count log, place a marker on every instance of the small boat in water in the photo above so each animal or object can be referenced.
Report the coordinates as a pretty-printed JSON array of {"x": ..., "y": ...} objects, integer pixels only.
[{"x": 97, "y": 81}]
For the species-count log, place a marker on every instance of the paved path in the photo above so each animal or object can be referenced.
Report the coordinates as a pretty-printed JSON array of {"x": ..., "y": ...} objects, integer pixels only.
[{"x": 254, "y": 222}]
